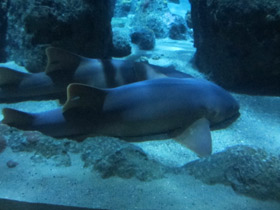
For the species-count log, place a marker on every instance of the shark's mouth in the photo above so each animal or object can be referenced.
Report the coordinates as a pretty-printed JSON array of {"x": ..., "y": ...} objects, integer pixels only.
[{"x": 225, "y": 123}]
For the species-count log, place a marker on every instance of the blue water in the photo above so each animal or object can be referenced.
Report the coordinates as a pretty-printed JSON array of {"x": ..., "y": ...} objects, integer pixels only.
[{"x": 63, "y": 172}]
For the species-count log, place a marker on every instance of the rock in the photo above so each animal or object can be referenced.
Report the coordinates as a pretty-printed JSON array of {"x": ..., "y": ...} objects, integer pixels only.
[
  {"x": 61, "y": 159},
  {"x": 152, "y": 14},
  {"x": 12, "y": 164},
  {"x": 42, "y": 146},
  {"x": 248, "y": 170},
  {"x": 3, "y": 29},
  {"x": 123, "y": 8},
  {"x": 178, "y": 28},
  {"x": 109, "y": 156},
  {"x": 80, "y": 26},
  {"x": 155, "y": 15},
  {"x": 127, "y": 162},
  {"x": 113, "y": 157},
  {"x": 175, "y": 1},
  {"x": 96, "y": 148},
  {"x": 157, "y": 24},
  {"x": 188, "y": 18},
  {"x": 238, "y": 43},
  {"x": 119, "y": 22},
  {"x": 3, "y": 143},
  {"x": 121, "y": 43},
  {"x": 152, "y": 6},
  {"x": 144, "y": 38}
]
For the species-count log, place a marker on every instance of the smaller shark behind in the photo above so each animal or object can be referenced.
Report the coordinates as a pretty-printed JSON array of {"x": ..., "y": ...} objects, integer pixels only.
[
  {"x": 182, "y": 109},
  {"x": 65, "y": 67}
]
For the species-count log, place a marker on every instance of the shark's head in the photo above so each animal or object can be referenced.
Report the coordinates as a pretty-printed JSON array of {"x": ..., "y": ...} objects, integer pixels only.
[{"x": 222, "y": 108}]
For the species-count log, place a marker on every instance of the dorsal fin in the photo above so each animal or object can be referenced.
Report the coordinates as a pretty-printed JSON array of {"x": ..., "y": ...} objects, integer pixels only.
[
  {"x": 61, "y": 63},
  {"x": 83, "y": 100},
  {"x": 10, "y": 76},
  {"x": 16, "y": 118}
]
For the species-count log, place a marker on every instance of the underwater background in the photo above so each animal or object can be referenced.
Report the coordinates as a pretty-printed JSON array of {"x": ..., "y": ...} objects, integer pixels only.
[{"x": 235, "y": 44}]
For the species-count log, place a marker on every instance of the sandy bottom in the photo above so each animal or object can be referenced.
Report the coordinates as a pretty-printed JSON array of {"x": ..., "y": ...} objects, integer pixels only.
[
  {"x": 77, "y": 186},
  {"x": 259, "y": 124}
]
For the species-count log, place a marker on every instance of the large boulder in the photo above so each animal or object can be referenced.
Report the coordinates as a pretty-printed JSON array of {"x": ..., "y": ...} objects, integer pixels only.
[
  {"x": 121, "y": 42},
  {"x": 130, "y": 161},
  {"x": 3, "y": 29},
  {"x": 178, "y": 28},
  {"x": 155, "y": 15},
  {"x": 144, "y": 38},
  {"x": 107, "y": 155},
  {"x": 124, "y": 7},
  {"x": 152, "y": 14},
  {"x": 81, "y": 26},
  {"x": 238, "y": 43},
  {"x": 248, "y": 170}
]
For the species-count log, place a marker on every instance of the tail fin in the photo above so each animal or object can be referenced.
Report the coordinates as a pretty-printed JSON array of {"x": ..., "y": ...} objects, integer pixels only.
[
  {"x": 83, "y": 101},
  {"x": 62, "y": 62},
  {"x": 16, "y": 118},
  {"x": 10, "y": 77}
]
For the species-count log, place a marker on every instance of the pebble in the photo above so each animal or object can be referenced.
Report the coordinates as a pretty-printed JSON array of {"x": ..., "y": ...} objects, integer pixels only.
[{"x": 12, "y": 164}]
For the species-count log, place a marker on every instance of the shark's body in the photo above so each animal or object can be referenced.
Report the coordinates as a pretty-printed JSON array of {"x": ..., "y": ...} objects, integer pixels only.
[
  {"x": 64, "y": 68},
  {"x": 37, "y": 86},
  {"x": 183, "y": 109}
]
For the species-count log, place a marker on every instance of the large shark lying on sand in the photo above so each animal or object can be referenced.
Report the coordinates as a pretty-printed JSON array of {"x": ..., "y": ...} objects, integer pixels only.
[
  {"x": 182, "y": 109},
  {"x": 65, "y": 67}
]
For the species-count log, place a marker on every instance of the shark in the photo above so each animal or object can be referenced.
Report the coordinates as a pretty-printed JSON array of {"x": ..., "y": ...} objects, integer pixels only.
[
  {"x": 184, "y": 109},
  {"x": 64, "y": 67}
]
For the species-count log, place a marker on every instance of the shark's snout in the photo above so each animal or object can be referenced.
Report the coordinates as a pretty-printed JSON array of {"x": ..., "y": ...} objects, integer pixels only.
[{"x": 226, "y": 112}]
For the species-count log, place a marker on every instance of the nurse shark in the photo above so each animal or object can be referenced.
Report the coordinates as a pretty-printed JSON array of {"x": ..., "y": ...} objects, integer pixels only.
[
  {"x": 182, "y": 109},
  {"x": 65, "y": 67}
]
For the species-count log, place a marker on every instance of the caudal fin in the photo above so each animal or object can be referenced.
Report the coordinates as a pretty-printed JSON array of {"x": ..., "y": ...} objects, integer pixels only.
[
  {"x": 10, "y": 76},
  {"x": 16, "y": 118},
  {"x": 83, "y": 101},
  {"x": 61, "y": 62}
]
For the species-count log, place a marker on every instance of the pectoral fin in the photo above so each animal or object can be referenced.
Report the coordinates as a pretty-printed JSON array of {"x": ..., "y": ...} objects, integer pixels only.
[
  {"x": 10, "y": 77},
  {"x": 197, "y": 138}
]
